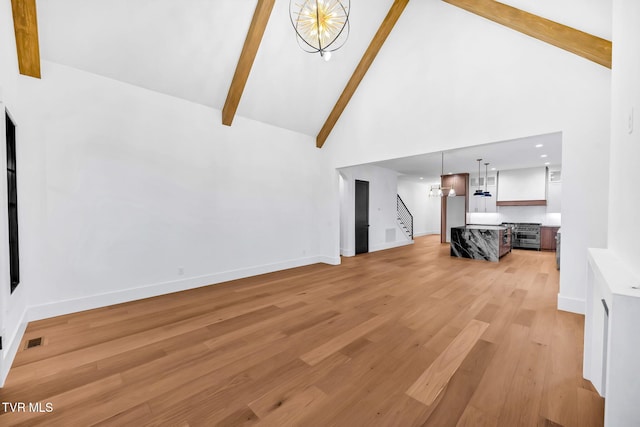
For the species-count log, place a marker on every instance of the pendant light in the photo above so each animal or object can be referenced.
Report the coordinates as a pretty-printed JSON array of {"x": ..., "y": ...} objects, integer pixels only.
[
  {"x": 321, "y": 26},
  {"x": 479, "y": 191},
  {"x": 452, "y": 191},
  {"x": 486, "y": 174}
]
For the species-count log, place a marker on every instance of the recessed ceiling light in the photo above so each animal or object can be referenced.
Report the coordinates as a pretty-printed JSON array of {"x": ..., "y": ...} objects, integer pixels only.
[
  {"x": 493, "y": 169},
  {"x": 543, "y": 155},
  {"x": 547, "y": 163},
  {"x": 539, "y": 145},
  {"x": 421, "y": 178}
]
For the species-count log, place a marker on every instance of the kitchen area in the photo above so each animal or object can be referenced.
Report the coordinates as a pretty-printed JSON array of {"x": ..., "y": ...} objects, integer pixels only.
[
  {"x": 487, "y": 201},
  {"x": 521, "y": 205}
]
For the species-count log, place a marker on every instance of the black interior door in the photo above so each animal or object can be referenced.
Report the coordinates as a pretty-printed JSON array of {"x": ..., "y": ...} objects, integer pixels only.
[{"x": 362, "y": 217}]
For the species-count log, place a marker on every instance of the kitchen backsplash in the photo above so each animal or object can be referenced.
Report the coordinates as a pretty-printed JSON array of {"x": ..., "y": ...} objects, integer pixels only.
[{"x": 536, "y": 214}]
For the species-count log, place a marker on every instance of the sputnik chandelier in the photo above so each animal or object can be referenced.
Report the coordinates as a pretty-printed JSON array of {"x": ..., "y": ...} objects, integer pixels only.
[{"x": 322, "y": 26}]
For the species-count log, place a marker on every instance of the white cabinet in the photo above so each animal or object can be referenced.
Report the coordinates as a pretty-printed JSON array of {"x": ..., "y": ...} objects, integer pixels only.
[
  {"x": 522, "y": 185},
  {"x": 482, "y": 204},
  {"x": 611, "y": 339},
  {"x": 554, "y": 192}
]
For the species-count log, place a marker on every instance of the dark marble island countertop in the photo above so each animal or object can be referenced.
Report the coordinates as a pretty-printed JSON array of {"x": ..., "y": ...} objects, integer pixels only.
[{"x": 483, "y": 242}]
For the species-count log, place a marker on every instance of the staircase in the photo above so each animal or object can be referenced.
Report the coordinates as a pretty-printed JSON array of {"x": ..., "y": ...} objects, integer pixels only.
[{"x": 405, "y": 219}]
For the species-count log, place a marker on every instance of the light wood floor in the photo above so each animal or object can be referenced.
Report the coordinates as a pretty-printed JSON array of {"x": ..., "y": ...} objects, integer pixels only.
[{"x": 403, "y": 337}]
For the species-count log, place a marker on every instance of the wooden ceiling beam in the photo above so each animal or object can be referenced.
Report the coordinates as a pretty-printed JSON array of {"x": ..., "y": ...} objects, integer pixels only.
[
  {"x": 575, "y": 41},
  {"x": 25, "y": 25},
  {"x": 378, "y": 40},
  {"x": 248, "y": 55}
]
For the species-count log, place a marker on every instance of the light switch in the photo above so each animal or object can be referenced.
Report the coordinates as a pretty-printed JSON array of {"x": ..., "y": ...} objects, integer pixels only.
[{"x": 630, "y": 124}]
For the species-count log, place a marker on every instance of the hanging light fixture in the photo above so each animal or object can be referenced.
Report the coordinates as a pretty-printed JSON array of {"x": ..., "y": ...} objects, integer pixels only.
[
  {"x": 486, "y": 175},
  {"x": 452, "y": 191},
  {"x": 479, "y": 191},
  {"x": 322, "y": 26}
]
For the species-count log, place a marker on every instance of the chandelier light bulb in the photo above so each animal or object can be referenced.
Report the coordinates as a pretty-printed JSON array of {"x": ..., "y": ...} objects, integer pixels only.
[{"x": 321, "y": 26}]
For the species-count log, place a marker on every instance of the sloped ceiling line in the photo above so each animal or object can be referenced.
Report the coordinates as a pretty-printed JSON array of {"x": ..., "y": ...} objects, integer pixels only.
[
  {"x": 378, "y": 40},
  {"x": 575, "y": 41},
  {"x": 25, "y": 25},
  {"x": 248, "y": 55}
]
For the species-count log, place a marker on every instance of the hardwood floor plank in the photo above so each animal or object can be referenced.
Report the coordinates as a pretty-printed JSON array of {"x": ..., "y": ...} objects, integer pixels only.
[
  {"x": 320, "y": 353},
  {"x": 431, "y": 383},
  {"x": 322, "y": 345},
  {"x": 462, "y": 385},
  {"x": 493, "y": 388},
  {"x": 590, "y": 408},
  {"x": 474, "y": 417}
]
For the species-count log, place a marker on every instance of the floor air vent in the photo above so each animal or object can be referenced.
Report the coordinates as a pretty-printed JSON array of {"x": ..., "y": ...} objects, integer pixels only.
[{"x": 35, "y": 342}]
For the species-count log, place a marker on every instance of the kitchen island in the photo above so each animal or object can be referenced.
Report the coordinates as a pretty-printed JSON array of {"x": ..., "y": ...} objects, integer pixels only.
[{"x": 484, "y": 242}]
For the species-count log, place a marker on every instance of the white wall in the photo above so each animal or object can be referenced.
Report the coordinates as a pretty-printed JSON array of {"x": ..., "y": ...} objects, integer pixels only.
[
  {"x": 425, "y": 210},
  {"x": 483, "y": 83},
  {"x": 147, "y": 194},
  {"x": 617, "y": 268},
  {"x": 13, "y": 306},
  {"x": 624, "y": 203},
  {"x": 535, "y": 214},
  {"x": 383, "y": 190}
]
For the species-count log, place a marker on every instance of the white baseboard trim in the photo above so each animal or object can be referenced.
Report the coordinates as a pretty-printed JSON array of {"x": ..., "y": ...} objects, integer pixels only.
[
  {"x": 11, "y": 348},
  {"x": 390, "y": 245},
  {"x": 572, "y": 305},
  {"x": 75, "y": 305},
  {"x": 347, "y": 252},
  {"x": 329, "y": 260}
]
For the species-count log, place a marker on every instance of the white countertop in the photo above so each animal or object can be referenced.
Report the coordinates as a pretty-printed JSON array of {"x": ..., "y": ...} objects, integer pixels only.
[{"x": 616, "y": 274}]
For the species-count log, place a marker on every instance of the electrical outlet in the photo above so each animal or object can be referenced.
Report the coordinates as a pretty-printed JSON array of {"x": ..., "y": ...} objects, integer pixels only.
[{"x": 180, "y": 271}]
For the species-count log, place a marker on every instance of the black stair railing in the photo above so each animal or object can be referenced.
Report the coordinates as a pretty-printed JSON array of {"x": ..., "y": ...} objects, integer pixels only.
[{"x": 405, "y": 217}]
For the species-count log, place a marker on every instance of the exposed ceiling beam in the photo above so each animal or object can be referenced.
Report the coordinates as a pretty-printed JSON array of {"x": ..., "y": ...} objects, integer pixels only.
[
  {"x": 248, "y": 55},
  {"x": 25, "y": 25},
  {"x": 367, "y": 59},
  {"x": 575, "y": 41}
]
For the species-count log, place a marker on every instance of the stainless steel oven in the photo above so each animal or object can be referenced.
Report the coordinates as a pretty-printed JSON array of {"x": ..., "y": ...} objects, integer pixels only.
[{"x": 526, "y": 235}]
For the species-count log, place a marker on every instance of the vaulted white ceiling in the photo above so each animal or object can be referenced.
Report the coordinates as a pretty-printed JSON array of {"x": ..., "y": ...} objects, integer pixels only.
[{"x": 190, "y": 48}]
